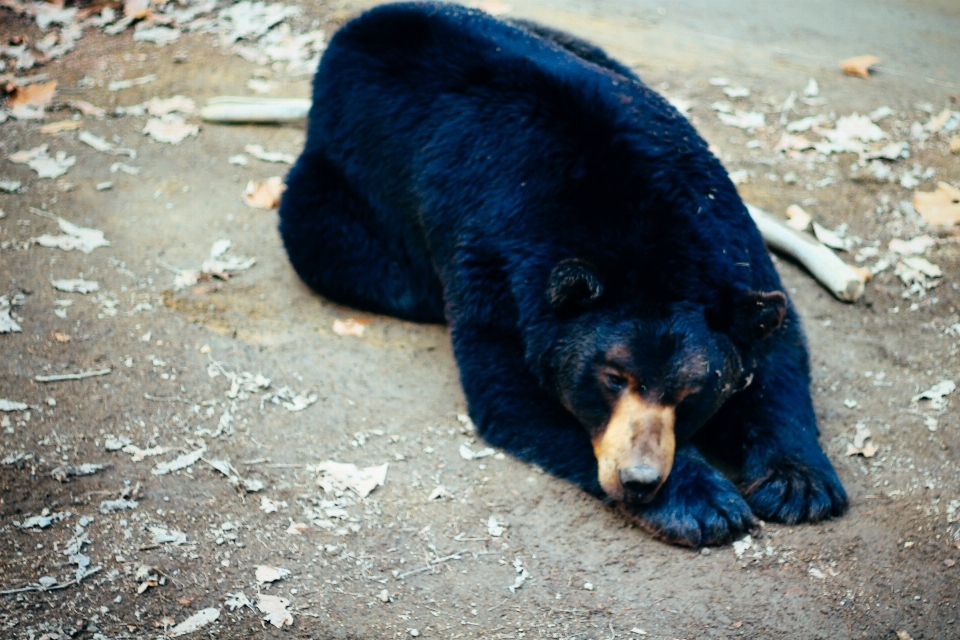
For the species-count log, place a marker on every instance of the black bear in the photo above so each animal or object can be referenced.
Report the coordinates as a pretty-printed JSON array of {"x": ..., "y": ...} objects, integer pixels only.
[{"x": 612, "y": 306}]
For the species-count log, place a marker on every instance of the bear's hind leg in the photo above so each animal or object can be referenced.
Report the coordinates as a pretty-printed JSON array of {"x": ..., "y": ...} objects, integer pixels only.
[{"x": 322, "y": 223}]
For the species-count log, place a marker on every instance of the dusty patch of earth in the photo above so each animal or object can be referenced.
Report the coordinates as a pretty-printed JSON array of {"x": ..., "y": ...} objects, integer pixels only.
[{"x": 396, "y": 561}]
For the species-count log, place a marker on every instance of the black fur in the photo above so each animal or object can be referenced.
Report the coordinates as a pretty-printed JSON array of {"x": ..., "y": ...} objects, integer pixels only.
[{"x": 517, "y": 183}]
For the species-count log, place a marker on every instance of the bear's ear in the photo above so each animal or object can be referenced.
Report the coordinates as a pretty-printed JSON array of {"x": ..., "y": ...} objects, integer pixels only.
[
  {"x": 757, "y": 314},
  {"x": 574, "y": 284}
]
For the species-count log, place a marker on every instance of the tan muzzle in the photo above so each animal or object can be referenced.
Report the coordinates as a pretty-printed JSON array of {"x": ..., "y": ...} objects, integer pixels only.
[{"x": 635, "y": 450}]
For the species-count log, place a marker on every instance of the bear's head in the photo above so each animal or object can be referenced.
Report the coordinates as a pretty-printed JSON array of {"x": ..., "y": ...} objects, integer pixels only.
[{"x": 642, "y": 377}]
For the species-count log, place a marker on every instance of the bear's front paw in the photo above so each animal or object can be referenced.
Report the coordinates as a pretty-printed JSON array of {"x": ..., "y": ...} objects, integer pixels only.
[
  {"x": 789, "y": 490},
  {"x": 696, "y": 508}
]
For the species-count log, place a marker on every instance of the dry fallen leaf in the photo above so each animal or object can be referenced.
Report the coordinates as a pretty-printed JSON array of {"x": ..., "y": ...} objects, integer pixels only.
[
  {"x": 62, "y": 125},
  {"x": 939, "y": 208},
  {"x": 275, "y": 610},
  {"x": 955, "y": 144},
  {"x": 60, "y": 337},
  {"x": 859, "y": 65},
  {"x": 298, "y": 528},
  {"x": 266, "y": 573},
  {"x": 170, "y": 128},
  {"x": 35, "y": 95},
  {"x": 350, "y": 327},
  {"x": 903, "y": 635},
  {"x": 264, "y": 194},
  {"x": 797, "y": 218}
]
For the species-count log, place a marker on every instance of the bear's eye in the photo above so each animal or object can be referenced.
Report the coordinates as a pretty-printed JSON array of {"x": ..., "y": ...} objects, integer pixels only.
[{"x": 615, "y": 381}]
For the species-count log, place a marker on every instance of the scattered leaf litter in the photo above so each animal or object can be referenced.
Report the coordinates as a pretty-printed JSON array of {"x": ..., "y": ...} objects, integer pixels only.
[
  {"x": 350, "y": 326},
  {"x": 797, "y": 218},
  {"x": 237, "y": 601},
  {"x": 75, "y": 286},
  {"x": 742, "y": 545},
  {"x": 743, "y": 119},
  {"x": 110, "y": 506},
  {"x": 915, "y": 246},
  {"x": 469, "y": 454},
  {"x": 180, "y": 462},
  {"x": 163, "y": 535},
  {"x": 293, "y": 401},
  {"x": 858, "y": 65},
  {"x": 195, "y": 622},
  {"x": 940, "y": 208},
  {"x": 249, "y": 485},
  {"x": 264, "y": 194},
  {"x": 339, "y": 476},
  {"x": 918, "y": 272},
  {"x": 275, "y": 610},
  {"x": 162, "y": 106},
  {"x": 7, "y": 323},
  {"x": 42, "y": 162},
  {"x": 831, "y": 238},
  {"x": 65, "y": 472},
  {"x": 170, "y": 129},
  {"x": 522, "y": 575},
  {"x": 117, "y": 85},
  {"x": 28, "y": 102},
  {"x": 218, "y": 265},
  {"x": 260, "y": 153},
  {"x": 79, "y": 238},
  {"x": 158, "y": 35},
  {"x": 266, "y": 574},
  {"x": 937, "y": 395},
  {"x": 297, "y": 528},
  {"x": 41, "y": 521},
  {"x": 269, "y": 505},
  {"x": 494, "y": 527},
  {"x": 251, "y": 20},
  {"x": 11, "y": 405},
  {"x": 860, "y": 445}
]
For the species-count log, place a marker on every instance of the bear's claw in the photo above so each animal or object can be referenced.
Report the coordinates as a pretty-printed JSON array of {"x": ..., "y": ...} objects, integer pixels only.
[
  {"x": 696, "y": 508},
  {"x": 791, "y": 491}
]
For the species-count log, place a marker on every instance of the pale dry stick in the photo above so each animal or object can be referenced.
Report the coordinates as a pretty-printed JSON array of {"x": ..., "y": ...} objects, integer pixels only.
[
  {"x": 56, "y": 587},
  {"x": 842, "y": 280},
  {"x": 72, "y": 376},
  {"x": 245, "y": 109}
]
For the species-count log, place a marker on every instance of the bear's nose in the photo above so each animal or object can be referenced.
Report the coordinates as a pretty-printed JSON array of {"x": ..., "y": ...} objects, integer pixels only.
[{"x": 640, "y": 480}]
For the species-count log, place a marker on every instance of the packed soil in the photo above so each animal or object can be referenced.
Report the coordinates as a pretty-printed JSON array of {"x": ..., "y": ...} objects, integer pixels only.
[{"x": 433, "y": 551}]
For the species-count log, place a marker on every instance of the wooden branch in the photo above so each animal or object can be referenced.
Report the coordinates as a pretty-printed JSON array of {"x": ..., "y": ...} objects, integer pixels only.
[
  {"x": 842, "y": 280},
  {"x": 265, "y": 110}
]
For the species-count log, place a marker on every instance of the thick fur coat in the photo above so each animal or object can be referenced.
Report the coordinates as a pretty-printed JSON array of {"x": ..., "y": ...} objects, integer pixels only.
[{"x": 613, "y": 307}]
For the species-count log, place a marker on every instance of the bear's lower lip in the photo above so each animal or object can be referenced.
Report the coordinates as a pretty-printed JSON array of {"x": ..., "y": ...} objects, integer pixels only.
[{"x": 646, "y": 498}]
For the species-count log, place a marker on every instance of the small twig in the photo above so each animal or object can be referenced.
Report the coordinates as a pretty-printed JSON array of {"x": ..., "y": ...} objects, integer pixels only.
[
  {"x": 45, "y": 214},
  {"x": 72, "y": 376},
  {"x": 56, "y": 587},
  {"x": 166, "y": 398},
  {"x": 452, "y": 556},
  {"x": 257, "y": 461},
  {"x": 497, "y": 606},
  {"x": 413, "y": 571}
]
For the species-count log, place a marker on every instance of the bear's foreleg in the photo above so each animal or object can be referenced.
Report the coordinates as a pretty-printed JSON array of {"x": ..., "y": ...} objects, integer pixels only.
[
  {"x": 786, "y": 476},
  {"x": 697, "y": 506},
  {"x": 511, "y": 411}
]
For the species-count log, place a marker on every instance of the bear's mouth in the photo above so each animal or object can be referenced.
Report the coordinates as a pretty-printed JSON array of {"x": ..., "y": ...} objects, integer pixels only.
[{"x": 635, "y": 449}]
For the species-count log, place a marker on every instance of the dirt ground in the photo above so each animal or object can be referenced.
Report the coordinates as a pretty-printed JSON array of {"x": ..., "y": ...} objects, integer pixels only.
[{"x": 419, "y": 556}]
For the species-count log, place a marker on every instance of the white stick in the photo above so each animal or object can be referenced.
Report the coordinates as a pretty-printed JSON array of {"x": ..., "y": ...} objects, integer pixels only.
[
  {"x": 72, "y": 376},
  {"x": 837, "y": 276},
  {"x": 244, "y": 109}
]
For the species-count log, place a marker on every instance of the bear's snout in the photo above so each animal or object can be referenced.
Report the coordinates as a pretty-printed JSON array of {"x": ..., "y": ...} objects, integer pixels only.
[
  {"x": 635, "y": 449},
  {"x": 640, "y": 481}
]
